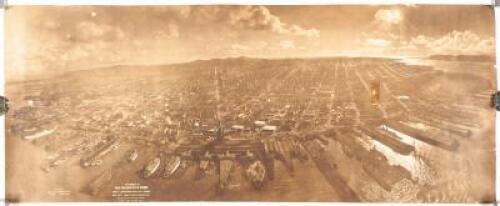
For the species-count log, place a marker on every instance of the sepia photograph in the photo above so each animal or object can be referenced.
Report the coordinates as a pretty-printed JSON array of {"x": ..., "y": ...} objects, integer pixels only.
[{"x": 282, "y": 103}]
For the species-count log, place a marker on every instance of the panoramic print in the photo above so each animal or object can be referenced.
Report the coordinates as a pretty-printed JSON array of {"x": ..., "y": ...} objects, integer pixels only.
[{"x": 250, "y": 103}]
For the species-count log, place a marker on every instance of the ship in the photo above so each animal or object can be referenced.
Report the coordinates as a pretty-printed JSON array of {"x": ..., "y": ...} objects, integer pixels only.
[
  {"x": 204, "y": 164},
  {"x": 132, "y": 155},
  {"x": 226, "y": 166},
  {"x": 256, "y": 174},
  {"x": 103, "y": 148},
  {"x": 171, "y": 165},
  {"x": 41, "y": 134},
  {"x": 151, "y": 167}
]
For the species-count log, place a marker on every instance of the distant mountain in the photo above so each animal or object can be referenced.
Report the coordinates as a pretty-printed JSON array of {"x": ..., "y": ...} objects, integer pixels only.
[
  {"x": 190, "y": 66},
  {"x": 471, "y": 58}
]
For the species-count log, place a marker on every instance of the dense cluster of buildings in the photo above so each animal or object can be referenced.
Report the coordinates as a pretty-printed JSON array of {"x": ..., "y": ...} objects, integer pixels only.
[{"x": 375, "y": 109}]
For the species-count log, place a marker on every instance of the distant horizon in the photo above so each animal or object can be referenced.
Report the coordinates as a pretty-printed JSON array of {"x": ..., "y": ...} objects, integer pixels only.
[
  {"x": 280, "y": 58},
  {"x": 275, "y": 58},
  {"x": 105, "y": 66}
]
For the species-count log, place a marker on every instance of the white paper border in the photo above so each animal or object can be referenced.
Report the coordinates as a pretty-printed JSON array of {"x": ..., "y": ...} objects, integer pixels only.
[
  {"x": 2, "y": 118},
  {"x": 242, "y": 2},
  {"x": 497, "y": 117}
]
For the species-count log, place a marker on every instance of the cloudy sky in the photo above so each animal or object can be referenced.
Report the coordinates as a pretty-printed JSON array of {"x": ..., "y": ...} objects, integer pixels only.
[{"x": 58, "y": 37}]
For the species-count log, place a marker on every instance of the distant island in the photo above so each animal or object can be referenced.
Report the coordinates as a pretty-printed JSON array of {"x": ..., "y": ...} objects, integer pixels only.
[{"x": 473, "y": 58}]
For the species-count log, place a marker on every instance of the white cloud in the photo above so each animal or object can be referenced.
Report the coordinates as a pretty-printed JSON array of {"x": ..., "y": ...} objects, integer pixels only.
[
  {"x": 89, "y": 31},
  {"x": 386, "y": 29},
  {"x": 240, "y": 47},
  {"x": 173, "y": 29},
  {"x": 297, "y": 30},
  {"x": 260, "y": 18},
  {"x": 183, "y": 11},
  {"x": 390, "y": 16},
  {"x": 377, "y": 42},
  {"x": 389, "y": 34},
  {"x": 261, "y": 45},
  {"x": 455, "y": 42},
  {"x": 287, "y": 44}
]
